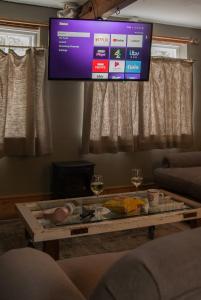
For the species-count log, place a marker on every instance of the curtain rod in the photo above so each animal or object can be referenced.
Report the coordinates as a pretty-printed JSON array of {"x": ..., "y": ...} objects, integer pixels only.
[
  {"x": 14, "y": 46},
  {"x": 22, "y": 23},
  {"x": 175, "y": 40},
  {"x": 190, "y": 60}
]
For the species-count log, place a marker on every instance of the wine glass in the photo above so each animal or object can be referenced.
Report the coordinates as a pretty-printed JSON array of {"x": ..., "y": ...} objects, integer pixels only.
[
  {"x": 97, "y": 184},
  {"x": 97, "y": 188},
  {"x": 136, "y": 177}
]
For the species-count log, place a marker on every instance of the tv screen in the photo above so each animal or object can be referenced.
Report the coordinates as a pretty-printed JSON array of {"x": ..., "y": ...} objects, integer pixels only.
[{"x": 99, "y": 50}]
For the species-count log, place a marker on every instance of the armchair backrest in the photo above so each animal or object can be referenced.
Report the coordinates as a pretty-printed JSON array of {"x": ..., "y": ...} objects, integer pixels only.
[{"x": 29, "y": 274}]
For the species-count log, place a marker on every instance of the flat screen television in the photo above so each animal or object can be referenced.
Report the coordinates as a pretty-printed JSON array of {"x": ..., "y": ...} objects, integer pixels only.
[{"x": 99, "y": 50}]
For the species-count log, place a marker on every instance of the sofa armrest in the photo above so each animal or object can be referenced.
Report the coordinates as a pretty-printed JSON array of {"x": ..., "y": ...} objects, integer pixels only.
[
  {"x": 31, "y": 274},
  {"x": 125, "y": 283},
  {"x": 165, "y": 268}
]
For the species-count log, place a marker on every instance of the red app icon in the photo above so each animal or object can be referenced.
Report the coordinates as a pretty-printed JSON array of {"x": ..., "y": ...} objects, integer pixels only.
[{"x": 100, "y": 66}]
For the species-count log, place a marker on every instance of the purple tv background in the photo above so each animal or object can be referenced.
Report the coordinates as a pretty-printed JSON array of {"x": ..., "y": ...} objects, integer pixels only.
[{"x": 72, "y": 57}]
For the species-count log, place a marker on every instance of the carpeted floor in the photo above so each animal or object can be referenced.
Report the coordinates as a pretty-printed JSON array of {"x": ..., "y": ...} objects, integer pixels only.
[{"x": 12, "y": 236}]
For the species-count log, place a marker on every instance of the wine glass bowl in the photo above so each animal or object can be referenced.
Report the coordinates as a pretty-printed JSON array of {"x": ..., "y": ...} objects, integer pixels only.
[
  {"x": 97, "y": 184},
  {"x": 136, "y": 177}
]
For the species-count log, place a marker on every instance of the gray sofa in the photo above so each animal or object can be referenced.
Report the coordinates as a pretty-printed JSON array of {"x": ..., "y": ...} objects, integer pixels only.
[
  {"x": 167, "y": 268},
  {"x": 181, "y": 173}
]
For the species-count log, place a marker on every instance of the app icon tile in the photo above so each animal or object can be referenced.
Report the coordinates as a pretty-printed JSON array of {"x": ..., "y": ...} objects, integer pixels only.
[
  {"x": 100, "y": 76},
  {"x": 135, "y": 41},
  {"x": 100, "y": 66},
  {"x": 132, "y": 76},
  {"x": 117, "y": 76},
  {"x": 117, "y": 66},
  {"x": 101, "y": 39},
  {"x": 118, "y": 40},
  {"x": 118, "y": 53},
  {"x": 101, "y": 52},
  {"x": 133, "y": 66},
  {"x": 134, "y": 53}
]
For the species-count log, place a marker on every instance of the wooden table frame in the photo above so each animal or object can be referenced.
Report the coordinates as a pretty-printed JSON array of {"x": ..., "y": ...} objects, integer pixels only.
[{"x": 51, "y": 236}]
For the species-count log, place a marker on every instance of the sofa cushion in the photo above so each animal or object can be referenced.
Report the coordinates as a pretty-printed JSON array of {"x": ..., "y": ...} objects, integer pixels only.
[
  {"x": 86, "y": 271},
  {"x": 182, "y": 159},
  {"x": 167, "y": 268},
  {"x": 185, "y": 181},
  {"x": 28, "y": 274}
]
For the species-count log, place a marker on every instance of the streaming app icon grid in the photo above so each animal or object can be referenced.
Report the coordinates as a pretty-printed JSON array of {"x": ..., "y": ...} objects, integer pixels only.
[{"x": 117, "y": 56}]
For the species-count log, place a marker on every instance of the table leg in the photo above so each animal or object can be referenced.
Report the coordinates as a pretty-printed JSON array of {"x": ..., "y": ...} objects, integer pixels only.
[
  {"x": 29, "y": 239},
  {"x": 151, "y": 232},
  {"x": 194, "y": 223},
  {"x": 52, "y": 248}
]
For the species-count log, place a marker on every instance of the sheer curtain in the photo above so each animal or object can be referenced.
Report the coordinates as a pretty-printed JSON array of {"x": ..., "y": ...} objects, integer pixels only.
[
  {"x": 167, "y": 104},
  {"x": 24, "y": 112},
  {"x": 131, "y": 116}
]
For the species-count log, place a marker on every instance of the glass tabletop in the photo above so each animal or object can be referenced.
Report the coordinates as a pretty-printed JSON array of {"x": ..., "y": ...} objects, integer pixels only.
[{"x": 108, "y": 207}]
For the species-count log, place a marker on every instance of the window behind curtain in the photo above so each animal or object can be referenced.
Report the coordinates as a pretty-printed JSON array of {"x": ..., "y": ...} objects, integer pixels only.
[
  {"x": 18, "y": 37},
  {"x": 132, "y": 116},
  {"x": 24, "y": 108},
  {"x": 16, "y": 109},
  {"x": 172, "y": 50}
]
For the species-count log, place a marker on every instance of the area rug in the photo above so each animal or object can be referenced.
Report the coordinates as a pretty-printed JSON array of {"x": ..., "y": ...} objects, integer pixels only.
[{"x": 12, "y": 236}]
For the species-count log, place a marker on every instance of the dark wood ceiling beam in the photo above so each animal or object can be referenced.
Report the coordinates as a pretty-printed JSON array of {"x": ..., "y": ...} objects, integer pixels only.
[{"x": 99, "y": 8}]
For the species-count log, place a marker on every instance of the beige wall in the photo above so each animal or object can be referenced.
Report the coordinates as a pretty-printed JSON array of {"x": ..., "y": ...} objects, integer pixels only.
[{"x": 32, "y": 175}]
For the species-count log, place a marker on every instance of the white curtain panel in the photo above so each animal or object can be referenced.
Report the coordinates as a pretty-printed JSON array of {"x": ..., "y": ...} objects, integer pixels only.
[
  {"x": 24, "y": 109},
  {"x": 3, "y": 97},
  {"x": 132, "y": 116},
  {"x": 167, "y": 105}
]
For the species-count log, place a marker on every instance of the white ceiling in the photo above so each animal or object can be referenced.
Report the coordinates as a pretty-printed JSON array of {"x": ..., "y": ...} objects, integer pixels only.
[
  {"x": 48, "y": 3},
  {"x": 174, "y": 12}
]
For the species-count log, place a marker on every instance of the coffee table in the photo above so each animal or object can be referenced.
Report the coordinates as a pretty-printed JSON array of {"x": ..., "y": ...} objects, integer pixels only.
[{"x": 40, "y": 229}]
